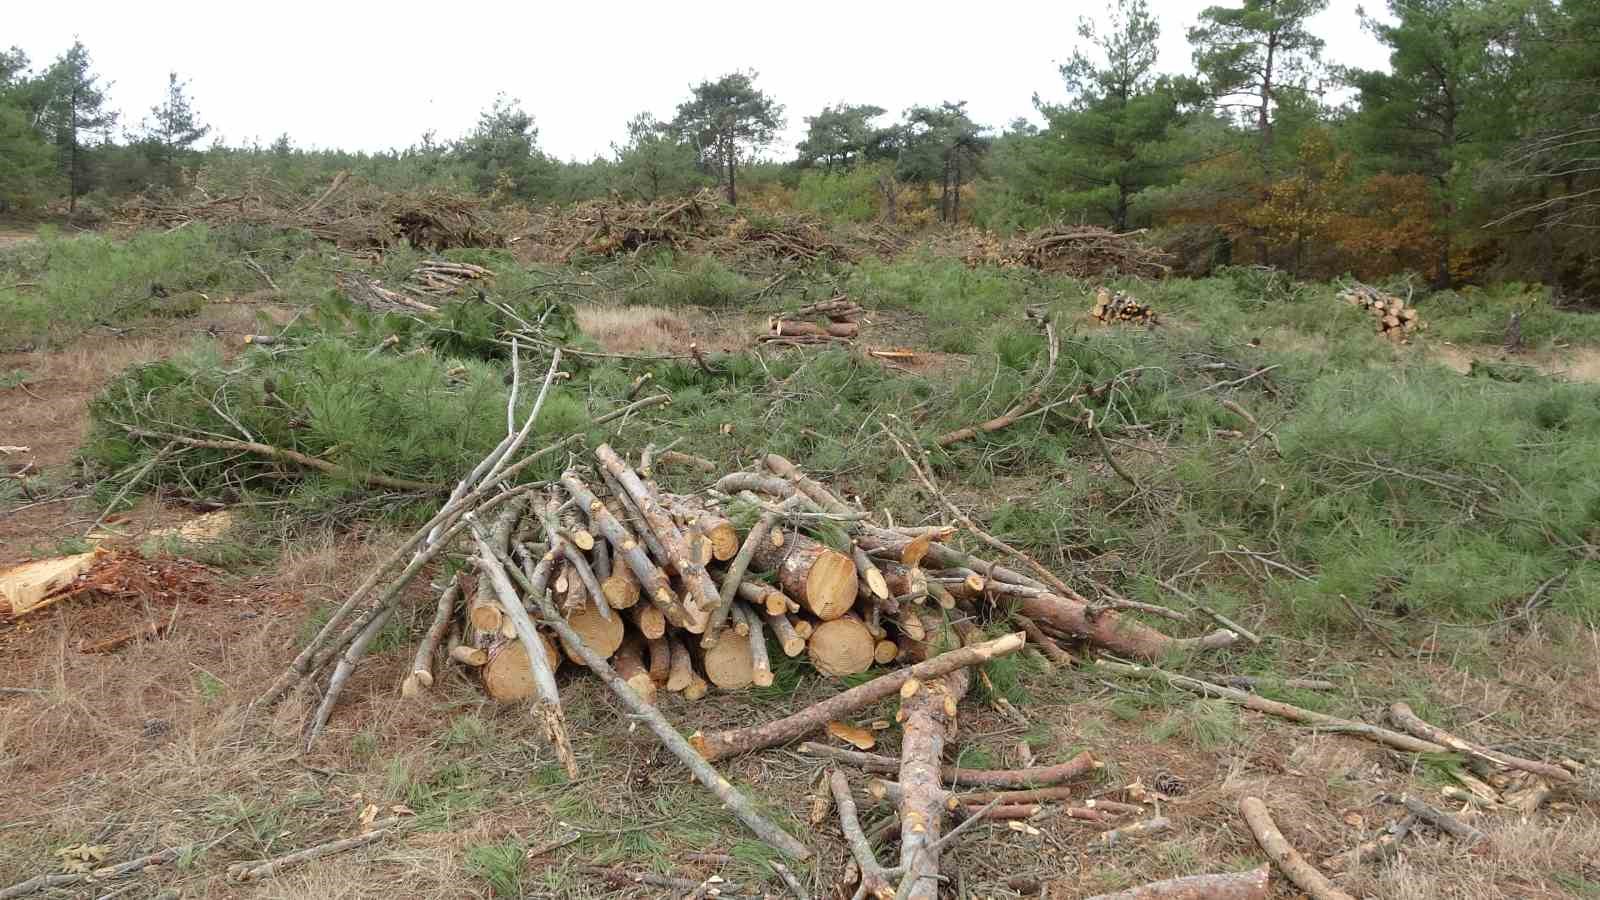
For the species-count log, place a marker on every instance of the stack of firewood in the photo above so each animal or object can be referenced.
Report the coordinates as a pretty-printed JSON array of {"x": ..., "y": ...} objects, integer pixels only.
[
  {"x": 440, "y": 277},
  {"x": 828, "y": 322},
  {"x": 1118, "y": 306},
  {"x": 1395, "y": 320}
]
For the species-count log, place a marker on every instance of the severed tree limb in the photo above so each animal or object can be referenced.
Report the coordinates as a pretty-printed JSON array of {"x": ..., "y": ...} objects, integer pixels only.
[
  {"x": 268, "y": 868},
  {"x": 1402, "y": 715},
  {"x": 722, "y": 744},
  {"x": 293, "y": 456},
  {"x": 738, "y": 566},
  {"x": 1275, "y": 708},
  {"x": 1288, "y": 859},
  {"x": 760, "y": 666},
  {"x": 1442, "y": 820},
  {"x": 492, "y": 562},
  {"x": 576, "y": 561},
  {"x": 1046, "y": 644},
  {"x": 956, "y": 775},
  {"x": 342, "y": 672},
  {"x": 664, "y": 731},
  {"x": 1381, "y": 847},
  {"x": 1251, "y": 885},
  {"x": 421, "y": 675},
  {"x": 929, "y": 718},
  {"x": 819, "y": 493},
  {"x": 1026, "y": 404},
  {"x": 874, "y": 880},
  {"x": 105, "y": 873}
]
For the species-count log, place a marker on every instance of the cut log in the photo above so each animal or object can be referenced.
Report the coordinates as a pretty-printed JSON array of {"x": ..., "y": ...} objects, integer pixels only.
[
  {"x": 697, "y": 687},
  {"x": 1288, "y": 859},
  {"x": 721, "y": 744},
  {"x": 630, "y": 666},
  {"x": 821, "y": 579},
  {"x": 469, "y": 656},
  {"x": 1041, "y": 776},
  {"x": 733, "y": 578},
  {"x": 783, "y": 629},
  {"x": 884, "y": 652},
  {"x": 760, "y": 667},
  {"x": 660, "y": 656},
  {"x": 929, "y": 719},
  {"x": 728, "y": 665},
  {"x": 648, "y": 618},
  {"x": 603, "y": 634},
  {"x": 841, "y": 646},
  {"x": 626, "y": 548},
  {"x": 421, "y": 675},
  {"x": 621, "y": 588},
  {"x": 507, "y": 676},
  {"x": 681, "y": 674}
]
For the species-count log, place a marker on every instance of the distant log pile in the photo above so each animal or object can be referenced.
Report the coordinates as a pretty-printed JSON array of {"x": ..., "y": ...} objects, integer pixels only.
[
  {"x": 1395, "y": 320},
  {"x": 831, "y": 321},
  {"x": 1088, "y": 251},
  {"x": 1117, "y": 306},
  {"x": 350, "y": 213}
]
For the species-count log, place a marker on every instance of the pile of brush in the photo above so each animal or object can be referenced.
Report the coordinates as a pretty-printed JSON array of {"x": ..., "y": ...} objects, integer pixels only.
[
  {"x": 833, "y": 321},
  {"x": 1118, "y": 306},
  {"x": 1395, "y": 320}
]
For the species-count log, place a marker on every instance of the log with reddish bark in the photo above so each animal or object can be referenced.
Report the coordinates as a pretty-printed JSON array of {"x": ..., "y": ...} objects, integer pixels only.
[
  {"x": 929, "y": 719},
  {"x": 819, "y": 578},
  {"x": 788, "y": 328},
  {"x": 721, "y": 744}
]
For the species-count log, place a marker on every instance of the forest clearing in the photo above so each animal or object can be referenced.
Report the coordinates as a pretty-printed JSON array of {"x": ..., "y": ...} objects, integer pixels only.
[{"x": 926, "y": 518}]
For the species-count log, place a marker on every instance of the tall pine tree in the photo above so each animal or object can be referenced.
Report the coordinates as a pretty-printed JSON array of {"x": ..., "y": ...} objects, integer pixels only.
[{"x": 74, "y": 109}]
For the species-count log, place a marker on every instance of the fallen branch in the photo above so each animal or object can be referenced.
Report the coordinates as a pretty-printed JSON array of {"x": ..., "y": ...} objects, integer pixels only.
[
  {"x": 421, "y": 675},
  {"x": 1029, "y": 401},
  {"x": 1403, "y": 716},
  {"x": 1288, "y": 859},
  {"x": 1442, "y": 820},
  {"x": 722, "y": 744},
  {"x": 267, "y": 869},
  {"x": 105, "y": 873},
  {"x": 1251, "y": 885},
  {"x": 294, "y": 456},
  {"x": 874, "y": 879},
  {"x": 1275, "y": 708},
  {"x": 1039, "y": 776}
]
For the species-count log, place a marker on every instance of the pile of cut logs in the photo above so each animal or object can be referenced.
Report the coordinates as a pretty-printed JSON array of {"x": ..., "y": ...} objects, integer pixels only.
[
  {"x": 1395, "y": 319},
  {"x": 650, "y": 590},
  {"x": 1118, "y": 306},
  {"x": 799, "y": 328}
]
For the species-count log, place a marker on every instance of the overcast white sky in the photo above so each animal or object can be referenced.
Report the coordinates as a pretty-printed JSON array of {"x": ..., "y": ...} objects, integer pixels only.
[{"x": 377, "y": 75}]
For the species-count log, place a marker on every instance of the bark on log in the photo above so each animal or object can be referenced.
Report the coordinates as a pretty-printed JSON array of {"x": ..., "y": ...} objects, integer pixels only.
[
  {"x": 760, "y": 666},
  {"x": 733, "y": 578},
  {"x": 507, "y": 674},
  {"x": 1403, "y": 716},
  {"x": 812, "y": 488},
  {"x": 841, "y": 647},
  {"x": 648, "y": 618},
  {"x": 702, "y": 592},
  {"x": 681, "y": 674},
  {"x": 660, "y": 660},
  {"x": 1288, "y": 859},
  {"x": 721, "y": 744},
  {"x": 469, "y": 655},
  {"x": 630, "y": 666},
  {"x": 929, "y": 719},
  {"x": 792, "y": 643},
  {"x": 821, "y": 579},
  {"x": 1251, "y": 885}
]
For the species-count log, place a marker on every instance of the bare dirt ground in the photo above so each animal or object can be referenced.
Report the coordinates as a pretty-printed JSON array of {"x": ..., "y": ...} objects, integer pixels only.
[
  {"x": 151, "y": 746},
  {"x": 1570, "y": 363}
]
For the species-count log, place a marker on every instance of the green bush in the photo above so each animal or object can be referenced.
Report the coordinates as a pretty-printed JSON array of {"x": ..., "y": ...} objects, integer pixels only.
[{"x": 697, "y": 281}]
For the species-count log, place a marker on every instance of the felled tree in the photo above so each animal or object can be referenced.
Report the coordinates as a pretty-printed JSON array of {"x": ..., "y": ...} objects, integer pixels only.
[{"x": 727, "y": 120}]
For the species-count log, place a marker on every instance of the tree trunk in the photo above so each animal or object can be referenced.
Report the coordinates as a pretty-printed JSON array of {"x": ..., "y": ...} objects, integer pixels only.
[{"x": 727, "y": 155}]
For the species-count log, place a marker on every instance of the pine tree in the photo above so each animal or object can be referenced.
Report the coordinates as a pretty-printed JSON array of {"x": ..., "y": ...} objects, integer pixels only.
[
  {"x": 655, "y": 162},
  {"x": 1250, "y": 55},
  {"x": 74, "y": 106},
  {"x": 726, "y": 120},
  {"x": 173, "y": 127},
  {"x": 941, "y": 143}
]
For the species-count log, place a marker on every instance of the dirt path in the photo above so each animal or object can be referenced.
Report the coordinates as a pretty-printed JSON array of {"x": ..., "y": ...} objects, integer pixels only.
[{"x": 1569, "y": 364}]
